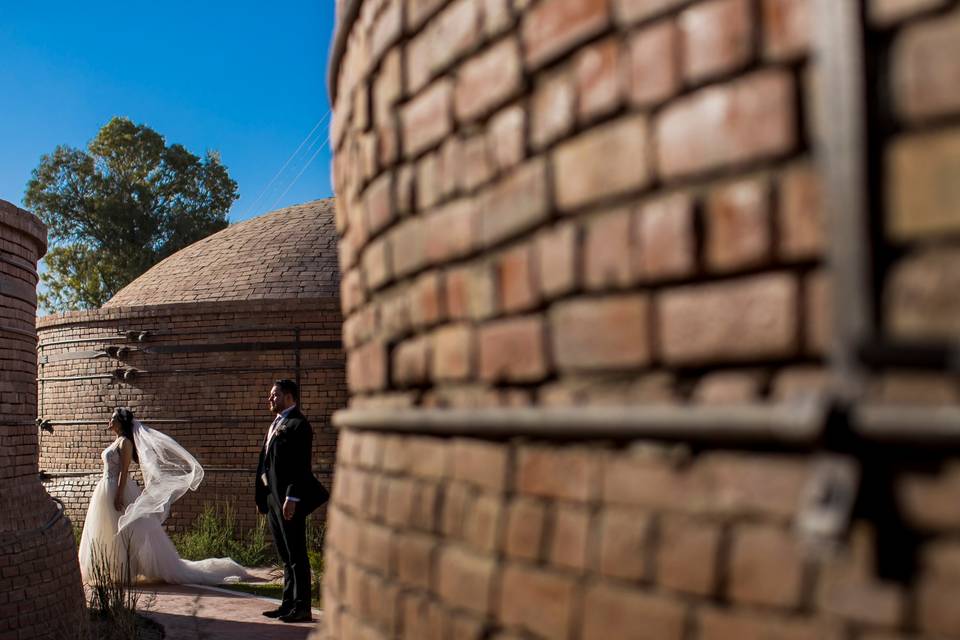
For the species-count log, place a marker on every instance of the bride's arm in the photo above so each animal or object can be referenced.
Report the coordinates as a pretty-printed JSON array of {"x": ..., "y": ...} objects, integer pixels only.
[{"x": 126, "y": 454}]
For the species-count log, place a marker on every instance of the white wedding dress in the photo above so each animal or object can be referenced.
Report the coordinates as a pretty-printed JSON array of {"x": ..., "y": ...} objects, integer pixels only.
[{"x": 149, "y": 549}]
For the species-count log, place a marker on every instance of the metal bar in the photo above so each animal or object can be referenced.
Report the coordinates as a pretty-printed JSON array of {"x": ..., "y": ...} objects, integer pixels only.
[
  {"x": 243, "y": 346},
  {"x": 908, "y": 424},
  {"x": 138, "y": 372},
  {"x": 798, "y": 423},
  {"x": 98, "y": 376},
  {"x": 120, "y": 336},
  {"x": 105, "y": 418},
  {"x": 840, "y": 147}
]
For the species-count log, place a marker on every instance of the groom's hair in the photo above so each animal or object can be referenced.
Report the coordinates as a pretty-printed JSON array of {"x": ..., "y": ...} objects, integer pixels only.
[{"x": 288, "y": 386}]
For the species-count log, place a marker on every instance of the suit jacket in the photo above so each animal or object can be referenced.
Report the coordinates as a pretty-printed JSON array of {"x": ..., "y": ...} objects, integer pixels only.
[{"x": 286, "y": 462}]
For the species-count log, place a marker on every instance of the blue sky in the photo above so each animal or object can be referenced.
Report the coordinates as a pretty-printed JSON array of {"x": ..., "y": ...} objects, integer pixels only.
[{"x": 246, "y": 78}]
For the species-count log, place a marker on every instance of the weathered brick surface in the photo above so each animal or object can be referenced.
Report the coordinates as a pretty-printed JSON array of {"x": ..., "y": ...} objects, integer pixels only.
[{"x": 613, "y": 204}]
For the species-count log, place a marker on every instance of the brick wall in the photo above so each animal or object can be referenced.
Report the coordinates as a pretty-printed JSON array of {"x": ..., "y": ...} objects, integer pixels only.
[
  {"x": 220, "y": 321},
  {"x": 39, "y": 573},
  {"x": 576, "y": 205}
]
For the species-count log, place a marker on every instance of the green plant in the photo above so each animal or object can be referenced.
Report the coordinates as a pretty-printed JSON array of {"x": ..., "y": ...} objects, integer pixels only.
[
  {"x": 316, "y": 532},
  {"x": 112, "y": 596},
  {"x": 215, "y": 534}
]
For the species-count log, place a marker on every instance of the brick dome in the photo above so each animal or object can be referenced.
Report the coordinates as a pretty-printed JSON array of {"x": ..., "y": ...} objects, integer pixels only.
[{"x": 254, "y": 259}]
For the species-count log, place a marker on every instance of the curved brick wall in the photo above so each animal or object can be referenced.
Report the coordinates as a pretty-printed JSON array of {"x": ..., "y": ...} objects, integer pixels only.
[
  {"x": 39, "y": 574},
  {"x": 594, "y": 207},
  {"x": 263, "y": 307}
]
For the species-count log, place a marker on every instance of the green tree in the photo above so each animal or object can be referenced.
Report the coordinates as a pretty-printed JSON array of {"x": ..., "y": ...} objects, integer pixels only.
[{"x": 119, "y": 207}]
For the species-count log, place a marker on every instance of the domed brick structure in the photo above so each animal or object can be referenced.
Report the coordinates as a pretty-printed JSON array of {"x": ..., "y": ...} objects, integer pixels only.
[
  {"x": 192, "y": 346},
  {"x": 605, "y": 381},
  {"x": 40, "y": 592}
]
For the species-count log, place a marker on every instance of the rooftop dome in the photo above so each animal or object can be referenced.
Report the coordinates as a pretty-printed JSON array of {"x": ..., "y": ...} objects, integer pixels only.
[{"x": 288, "y": 253}]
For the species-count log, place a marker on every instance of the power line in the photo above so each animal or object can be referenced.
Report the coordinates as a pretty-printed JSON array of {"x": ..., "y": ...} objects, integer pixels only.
[
  {"x": 309, "y": 162},
  {"x": 285, "y": 164}
]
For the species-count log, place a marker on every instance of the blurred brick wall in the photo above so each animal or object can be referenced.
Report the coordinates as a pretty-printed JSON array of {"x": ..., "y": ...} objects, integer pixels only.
[
  {"x": 569, "y": 203},
  {"x": 40, "y": 593}
]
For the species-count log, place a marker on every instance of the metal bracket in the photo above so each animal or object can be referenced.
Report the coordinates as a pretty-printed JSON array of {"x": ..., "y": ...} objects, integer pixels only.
[{"x": 827, "y": 501}]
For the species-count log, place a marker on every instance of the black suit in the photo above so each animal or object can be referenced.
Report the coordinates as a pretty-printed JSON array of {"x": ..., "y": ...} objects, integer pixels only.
[{"x": 285, "y": 462}]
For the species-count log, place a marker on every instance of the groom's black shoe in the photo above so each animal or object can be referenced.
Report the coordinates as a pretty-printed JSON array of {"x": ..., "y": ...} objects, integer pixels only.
[
  {"x": 303, "y": 615},
  {"x": 276, "y": 613}
]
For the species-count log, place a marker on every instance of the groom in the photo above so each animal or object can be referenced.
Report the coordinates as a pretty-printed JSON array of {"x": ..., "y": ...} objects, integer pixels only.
[{"x": 287, "y": 492}]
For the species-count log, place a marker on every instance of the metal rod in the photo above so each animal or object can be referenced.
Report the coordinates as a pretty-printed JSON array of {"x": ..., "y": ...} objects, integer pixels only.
[
  {"x": 908, "y": 424},
  {"x": 121, "y": 335},
  {"x": 840, "y": 148},
  {"x": 795, "y": 423},
  {"x": 906, "y": 355},
  {"x": 138, "y": 372}
]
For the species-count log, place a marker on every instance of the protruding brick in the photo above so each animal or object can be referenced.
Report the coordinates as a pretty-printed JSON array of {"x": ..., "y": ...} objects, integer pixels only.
[
  {"x": 921, "y": 190},
  {"x": 513, "y": 349},
  {"x": 787, "y": 28},
  {"x": 738, "y": 225},
  {"x": 766, "y": 567},
  {"x": 601, "y": 333},
  {"x": 452, "y": 230},
  {"x": 517, "y": 279},
  {"x": 463, "y": 579},
  {"x": 926, "y": 65},
  {"x": 609, "y": 250},
  {"x": 750, "y": 318},
  {"x": 552, "y": 108},
  {"x": 515, "y": 203},
  {"x": 410, "y": 361},
  {"x": 537, "y": 600},
  {"x": 506, "y": 131},
  {"x": 653, "y": 72},
  {"x": 628, "y": 614},
  {"x": 569, "y": 473},
  {"x": 665, "y": 238},
  {"x": 452, "y": 352},
  {"x": 748, "y": 119},
  {"x": 921, "y": 297},
  {"x": 557, "y": 255},
  {"x": 717, "y": 38},
  {"x": 487, "y": 80},
  {"x": 606, "y": 161},
  {"x": 555, "y": 26},
  {"x": 427, "y": 119},
  {"x": 598, "y": 75}
]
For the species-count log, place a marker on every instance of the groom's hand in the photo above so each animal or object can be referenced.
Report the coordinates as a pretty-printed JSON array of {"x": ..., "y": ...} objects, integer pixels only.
[{"x": 289, "y": 506}]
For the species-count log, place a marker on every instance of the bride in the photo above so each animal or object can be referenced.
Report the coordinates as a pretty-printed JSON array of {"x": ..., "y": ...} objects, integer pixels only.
[{"x": 126, "y": 524}]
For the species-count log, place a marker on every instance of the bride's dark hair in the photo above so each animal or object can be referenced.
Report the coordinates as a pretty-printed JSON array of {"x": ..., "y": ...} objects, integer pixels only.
[{"x": 125, "y": 417}]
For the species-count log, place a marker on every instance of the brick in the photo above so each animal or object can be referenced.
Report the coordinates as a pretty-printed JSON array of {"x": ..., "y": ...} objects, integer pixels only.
[
  {"x": 926, "y": 69},
  {"x": 378, "y": 201},
  {"x": 751, "y": 118},
  {"x": 452, "y": 352},
  {"x": 451, "y": 34},
  {"x": 410, "y": 236},
  {"x": 422, "y": 618},
  {"x": 517, "y": 281},
  {"x": 515, "y": 203},
  {"x": 410, "y": 361},
  {"x": 751, "y": 318},
  {"x": 452, "y": 230},
  {"x": 717, "y": 37},
  {"x": 429, "y": 180},
  {"x": 630, "y": 11},
  {"x": 553, "y": 27},
  {"x": 418, "y": 11},
  {"x": 387, "y": 89},
  {"x": 451, "y": 159},
  {"x": 625, "y": 614},
  {"x": 844, "y": 592},
  {"x": 624, "y": 540},
  {"x": 480, "y": 463},
  {"x": 552, "y": 108},
  {"x": 470, "y": 292},
  {"x": 598, "y": 75},
  {"x": 482, "y": 523},
  {"x": 927, "y": 501},
  {"x": 352, "y": 293},
  {"x": 604, "y": 162},
  {"x": 914, "y": 388},
  {"x": 887, "y": 12},
  {"x": 569, "y": 473},
  {"x": 557, "y": 254},
  {"x": 414, "y": 556},
  {"x": 717, "y": 624},
  {"x": 653, "y": 73},
  {"x": 570, "y": 543},
  {"x": 496, "y": 16},
  {"x": 463, "y": 579},
  {"x": 377, "y": 269},
  {"x": 536, "y": 600},
  {"x": 665, "y": 238},
  {"x": 922, "y": 195},
  {"x": 738, "y": 226},
  {"x": 513, "y": 350},
  {"x": 477, "y": 166},
  {"x": 601, "y": 333},
  {"x": 937, "y": 611},
  {"x": 427, "y": 119},
  {"x": 787, "y": 29},
  {"x": 609, "y": 251},
  {"x": 921, "y": 296},
  {"x": 427, "y": 300},
  {"x": 487, "y": 80},
  {"x": 728, "y": 387},
  {"x": 766, "y": 567},
  {"x": 506, "y": 131},
  {"x": 525, "y": 526},
  {"x": 367, "y": 367},
  {"x": 399, "y": 504},
  {"x": 800, "y": 216},
  {"x": 688, "y": 555}
]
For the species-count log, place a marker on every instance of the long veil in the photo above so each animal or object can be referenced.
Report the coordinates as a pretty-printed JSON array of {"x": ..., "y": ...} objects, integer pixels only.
[{"x": 169, "y": 471}]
